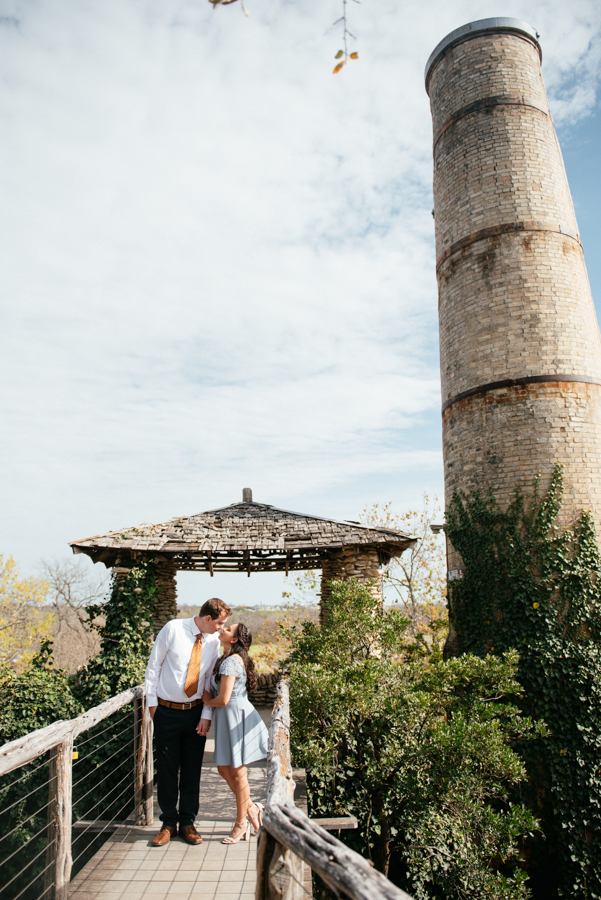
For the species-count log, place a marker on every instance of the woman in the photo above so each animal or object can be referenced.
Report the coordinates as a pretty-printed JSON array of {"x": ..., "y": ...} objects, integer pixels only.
[{"x": 240, "y": 735}]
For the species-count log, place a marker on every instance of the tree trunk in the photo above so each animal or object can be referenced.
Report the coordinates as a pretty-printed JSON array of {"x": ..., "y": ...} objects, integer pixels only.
[{"x": 381, "y": 851}]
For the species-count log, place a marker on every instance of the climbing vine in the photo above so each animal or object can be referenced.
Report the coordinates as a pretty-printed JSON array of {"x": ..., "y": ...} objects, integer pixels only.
[
  {"x": 530, "y": 586},
  {"x": 125, "y": 626}
]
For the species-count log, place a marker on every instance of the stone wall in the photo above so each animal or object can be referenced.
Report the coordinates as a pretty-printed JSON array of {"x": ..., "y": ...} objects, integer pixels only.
[
  {"x": 267, "y": 689},
  {"x": 165, "y": 607},
  {"x": 514, "y": 297},
  {"x": 350, "y": 562}
]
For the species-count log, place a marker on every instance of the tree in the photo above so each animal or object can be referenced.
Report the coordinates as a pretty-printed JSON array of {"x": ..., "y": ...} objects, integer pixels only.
[
  {"x": 24, "y": 623},
  {"x": 417, "y": 579},
  {"x": 418, "y": 749},
  {"x": 343, "y": 56},
  {"x": 72, "y": 591}
]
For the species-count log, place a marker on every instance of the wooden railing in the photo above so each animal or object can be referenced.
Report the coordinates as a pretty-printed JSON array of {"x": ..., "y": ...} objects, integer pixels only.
[
  {"x": 289, "y": 838},
  {"x": 58, "y": 740}
]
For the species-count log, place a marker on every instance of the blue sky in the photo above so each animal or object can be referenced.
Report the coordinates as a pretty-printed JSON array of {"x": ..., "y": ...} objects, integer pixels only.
[{"x": 217, "y": 259}]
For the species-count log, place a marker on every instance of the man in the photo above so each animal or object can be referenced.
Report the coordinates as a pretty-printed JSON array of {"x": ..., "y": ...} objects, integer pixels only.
[{"x": 179, "y": 670}]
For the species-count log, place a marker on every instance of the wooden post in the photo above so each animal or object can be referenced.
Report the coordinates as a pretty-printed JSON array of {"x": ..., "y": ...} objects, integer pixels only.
[
  {"x": 279, "y": 871},
  {"x": 138, "y": 760},
  {"x": 143, "y": 764},
  {"x": 148, "y": 768},
  {"x": 58, "y": 853}
]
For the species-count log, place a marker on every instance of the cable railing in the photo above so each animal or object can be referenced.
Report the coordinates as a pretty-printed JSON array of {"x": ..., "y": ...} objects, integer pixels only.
[
  {"x": 289, "y": 838},
  {"x": 68, "y": 795}
]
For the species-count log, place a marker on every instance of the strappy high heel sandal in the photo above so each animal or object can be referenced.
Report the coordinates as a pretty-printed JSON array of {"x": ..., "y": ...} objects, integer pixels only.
[
  {"x": 255, "y": 814},
  {"x": 243, "y": 836}
]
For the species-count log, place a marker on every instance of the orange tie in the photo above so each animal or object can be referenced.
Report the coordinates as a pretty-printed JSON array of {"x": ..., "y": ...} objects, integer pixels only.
[{"x": 191, "y": 685}]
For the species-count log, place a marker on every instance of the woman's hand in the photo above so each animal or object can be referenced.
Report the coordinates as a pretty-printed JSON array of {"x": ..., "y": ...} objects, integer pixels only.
[{"x": 207, "y": 698}]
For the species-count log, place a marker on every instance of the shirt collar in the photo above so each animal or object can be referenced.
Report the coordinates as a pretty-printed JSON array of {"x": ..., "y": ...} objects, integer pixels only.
[{"x": 196, "y": 630}]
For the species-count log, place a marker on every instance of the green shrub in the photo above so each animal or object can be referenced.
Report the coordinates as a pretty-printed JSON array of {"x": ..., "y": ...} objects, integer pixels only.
[{"x": 418, "y": 749}]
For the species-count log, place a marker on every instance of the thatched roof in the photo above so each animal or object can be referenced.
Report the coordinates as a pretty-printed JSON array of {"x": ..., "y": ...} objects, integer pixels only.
[{"x": 245, "y": 536}]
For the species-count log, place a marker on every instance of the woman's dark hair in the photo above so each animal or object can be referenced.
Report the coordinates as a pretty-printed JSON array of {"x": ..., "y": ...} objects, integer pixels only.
[{"x": 241, "y": 645}]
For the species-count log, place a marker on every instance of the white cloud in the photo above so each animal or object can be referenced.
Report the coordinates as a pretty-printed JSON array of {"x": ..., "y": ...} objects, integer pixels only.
[{"x": 217, "y": 258}]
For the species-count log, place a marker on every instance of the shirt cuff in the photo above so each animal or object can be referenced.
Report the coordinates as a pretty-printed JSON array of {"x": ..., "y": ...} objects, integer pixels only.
[
  {"x": 151, "y": 700},
  {"x": 207, "y": 713}
]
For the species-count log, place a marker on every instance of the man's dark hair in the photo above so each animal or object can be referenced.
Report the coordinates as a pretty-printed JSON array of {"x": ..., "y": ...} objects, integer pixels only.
[{"x": 214, "y": 608}]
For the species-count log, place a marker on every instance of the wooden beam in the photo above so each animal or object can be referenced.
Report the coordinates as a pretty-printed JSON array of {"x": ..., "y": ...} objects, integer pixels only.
[
  {"x": 343, "y": 870},
  {"x": 339, "y": 824},
  {"x": 25, "y": 749}
]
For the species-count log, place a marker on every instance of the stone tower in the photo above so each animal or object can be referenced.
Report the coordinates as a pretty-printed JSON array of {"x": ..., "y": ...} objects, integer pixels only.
[{"x": 520, "y": 350}]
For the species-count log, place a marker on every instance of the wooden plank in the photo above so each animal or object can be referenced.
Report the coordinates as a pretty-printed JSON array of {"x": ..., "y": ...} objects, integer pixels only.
[
  {"x": 93, "y": 826},
  {"x": 342, "y": 823},
  {"x": 23, "y": 750}
]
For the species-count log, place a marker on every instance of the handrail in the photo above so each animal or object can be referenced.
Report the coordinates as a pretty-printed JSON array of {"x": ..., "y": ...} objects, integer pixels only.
[
  {"x": 289, "y": 836},
  {"x": 57, "y": 739},
  {"x": 27, "y": 748}
]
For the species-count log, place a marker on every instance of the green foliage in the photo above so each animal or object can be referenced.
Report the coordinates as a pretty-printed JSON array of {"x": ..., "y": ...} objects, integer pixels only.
[
  {"x": 126, "y": 635},
  {"x": 416, "y": 748},
  {"x": 529, "y": 586},
  {"x": 34, "y": 698},
  {"x": 102, "y": 772},
  {"x": 28, "y": 700}
]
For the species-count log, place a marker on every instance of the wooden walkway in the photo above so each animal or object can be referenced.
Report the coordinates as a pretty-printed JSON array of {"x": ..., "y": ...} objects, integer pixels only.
[{"x": 128, "y": 868}]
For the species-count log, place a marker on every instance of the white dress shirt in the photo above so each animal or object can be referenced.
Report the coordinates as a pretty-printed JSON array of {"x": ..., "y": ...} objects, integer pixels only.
[{"x": 169, "y": 660}]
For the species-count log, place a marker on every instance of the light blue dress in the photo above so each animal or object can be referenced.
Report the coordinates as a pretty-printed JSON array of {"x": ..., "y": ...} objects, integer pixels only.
[{"x": 240, "y": 734}]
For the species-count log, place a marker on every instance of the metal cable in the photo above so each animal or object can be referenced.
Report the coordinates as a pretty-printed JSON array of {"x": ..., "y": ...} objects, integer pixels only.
[
  {"x": 104, "y": 761},
  {"x": 128, "y": 775},
  {"x": 26, "y": 775},
  {"x": 108, "y": 728},
  {"x": 302, "y": 886},
  {"x": 20, "y": 824},
  {"x": 37, "y": 856},
  {"x": 39, "y": 875},
  {"x": 114, "y": 737},
  {"x": 20, "y": 800},
  {"x": 108, "y": 824}
]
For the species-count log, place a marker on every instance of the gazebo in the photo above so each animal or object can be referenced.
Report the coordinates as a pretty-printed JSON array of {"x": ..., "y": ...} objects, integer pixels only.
[{"x": 248, "y": 537}]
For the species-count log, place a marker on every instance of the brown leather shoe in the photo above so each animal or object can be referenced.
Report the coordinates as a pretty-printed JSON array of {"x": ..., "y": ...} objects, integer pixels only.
[
  {"x": 190, "y": 834},
  {"x": 164, "y": 835}
]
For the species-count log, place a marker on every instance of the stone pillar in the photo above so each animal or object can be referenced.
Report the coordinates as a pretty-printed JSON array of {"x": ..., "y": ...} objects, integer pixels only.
[
  {"x": 350, "y": 562},
  {"x": 165, "y": 607}
]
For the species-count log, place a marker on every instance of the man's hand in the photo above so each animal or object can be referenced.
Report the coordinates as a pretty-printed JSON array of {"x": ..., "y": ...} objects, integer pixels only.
[
  {"x": 152, "y": 710},
  {"x": 203, "y": 727}
]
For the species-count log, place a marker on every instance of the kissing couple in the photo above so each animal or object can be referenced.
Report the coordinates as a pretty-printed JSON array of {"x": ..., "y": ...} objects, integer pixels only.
[{"x": 188, "y": 683}]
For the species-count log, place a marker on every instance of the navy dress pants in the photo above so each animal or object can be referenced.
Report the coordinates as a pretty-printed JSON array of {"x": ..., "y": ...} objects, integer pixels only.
[{"x": 179, "y": 760}]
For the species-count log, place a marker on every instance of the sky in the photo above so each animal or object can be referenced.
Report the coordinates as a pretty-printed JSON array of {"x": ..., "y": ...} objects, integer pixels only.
[{"x": 217, "y": 257}]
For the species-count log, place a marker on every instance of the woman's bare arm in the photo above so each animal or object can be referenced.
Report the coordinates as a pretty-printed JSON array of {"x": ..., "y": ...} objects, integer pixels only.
[{"x": 226, "y": 686}]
